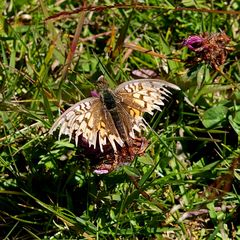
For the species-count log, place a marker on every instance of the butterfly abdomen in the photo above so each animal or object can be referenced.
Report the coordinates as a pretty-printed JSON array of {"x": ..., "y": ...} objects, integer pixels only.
[{"x": 111, "y": 106}]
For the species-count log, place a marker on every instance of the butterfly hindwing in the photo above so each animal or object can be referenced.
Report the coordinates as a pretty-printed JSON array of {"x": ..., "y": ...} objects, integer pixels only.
[
  {"x": 131, "y": 119},
  {"x": 108, "y": 130}
]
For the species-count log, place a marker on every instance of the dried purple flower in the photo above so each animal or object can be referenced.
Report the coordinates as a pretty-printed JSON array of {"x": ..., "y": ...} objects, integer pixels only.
[{"x": 210, "y": 47}]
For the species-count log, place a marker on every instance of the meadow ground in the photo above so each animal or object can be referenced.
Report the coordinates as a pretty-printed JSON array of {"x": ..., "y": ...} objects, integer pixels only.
[{"x": 187, "y": 183}]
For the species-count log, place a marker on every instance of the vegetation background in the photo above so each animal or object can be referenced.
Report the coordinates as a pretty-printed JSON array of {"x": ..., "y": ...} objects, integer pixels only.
[{"x": 191, "y": 167}]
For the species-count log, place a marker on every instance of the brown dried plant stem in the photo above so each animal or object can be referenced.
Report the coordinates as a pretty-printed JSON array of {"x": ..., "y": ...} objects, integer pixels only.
[
  {"x": 144, "y": 194},
  {"x": 73, "y": 46}
]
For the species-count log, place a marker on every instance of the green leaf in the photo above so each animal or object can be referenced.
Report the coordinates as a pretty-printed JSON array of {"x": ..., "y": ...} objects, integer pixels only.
[
  {"x": 131, "y": 171},
  {"x": 214, "y": 116},
  {"x": 146, "y": 159},
  {"x": 237, "y": 117},
  {"x": 64, "y": 143},
  {"x": 235, "y": 122}
]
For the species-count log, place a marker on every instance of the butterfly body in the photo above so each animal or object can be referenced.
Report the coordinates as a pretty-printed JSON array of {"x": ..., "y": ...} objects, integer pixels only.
[
  {"x": 116, "y": 115},
  {"x": 113, "y": 106}
]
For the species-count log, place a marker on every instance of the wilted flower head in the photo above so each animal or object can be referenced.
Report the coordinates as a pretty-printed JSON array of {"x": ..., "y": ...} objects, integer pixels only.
[
  {"x": 124, "y": 156},
  {"x": 210, "y": 47}
]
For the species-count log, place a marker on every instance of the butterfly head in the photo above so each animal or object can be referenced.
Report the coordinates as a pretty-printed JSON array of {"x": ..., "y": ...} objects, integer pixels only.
[{"x": 102, "y": 83}]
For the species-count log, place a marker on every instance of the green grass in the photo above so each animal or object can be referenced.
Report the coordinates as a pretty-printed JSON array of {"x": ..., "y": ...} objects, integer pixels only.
[{"x": 190, "y": 171}]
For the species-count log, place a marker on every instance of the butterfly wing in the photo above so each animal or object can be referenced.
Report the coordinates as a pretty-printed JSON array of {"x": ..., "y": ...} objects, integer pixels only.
[
  {"x": 89, "y": 119},
  {"x": 129, "y": 120},
  {"x": 142, "y": 95}
]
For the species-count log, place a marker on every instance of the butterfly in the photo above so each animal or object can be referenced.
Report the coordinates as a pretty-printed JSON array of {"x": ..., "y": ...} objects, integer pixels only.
[{"x": 114, "y": 116}]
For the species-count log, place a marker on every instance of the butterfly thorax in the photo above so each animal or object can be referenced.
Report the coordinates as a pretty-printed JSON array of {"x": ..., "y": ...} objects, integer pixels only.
[
  {"x": 110, "y": 102},
  {"x": 108, "y": 99}
]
